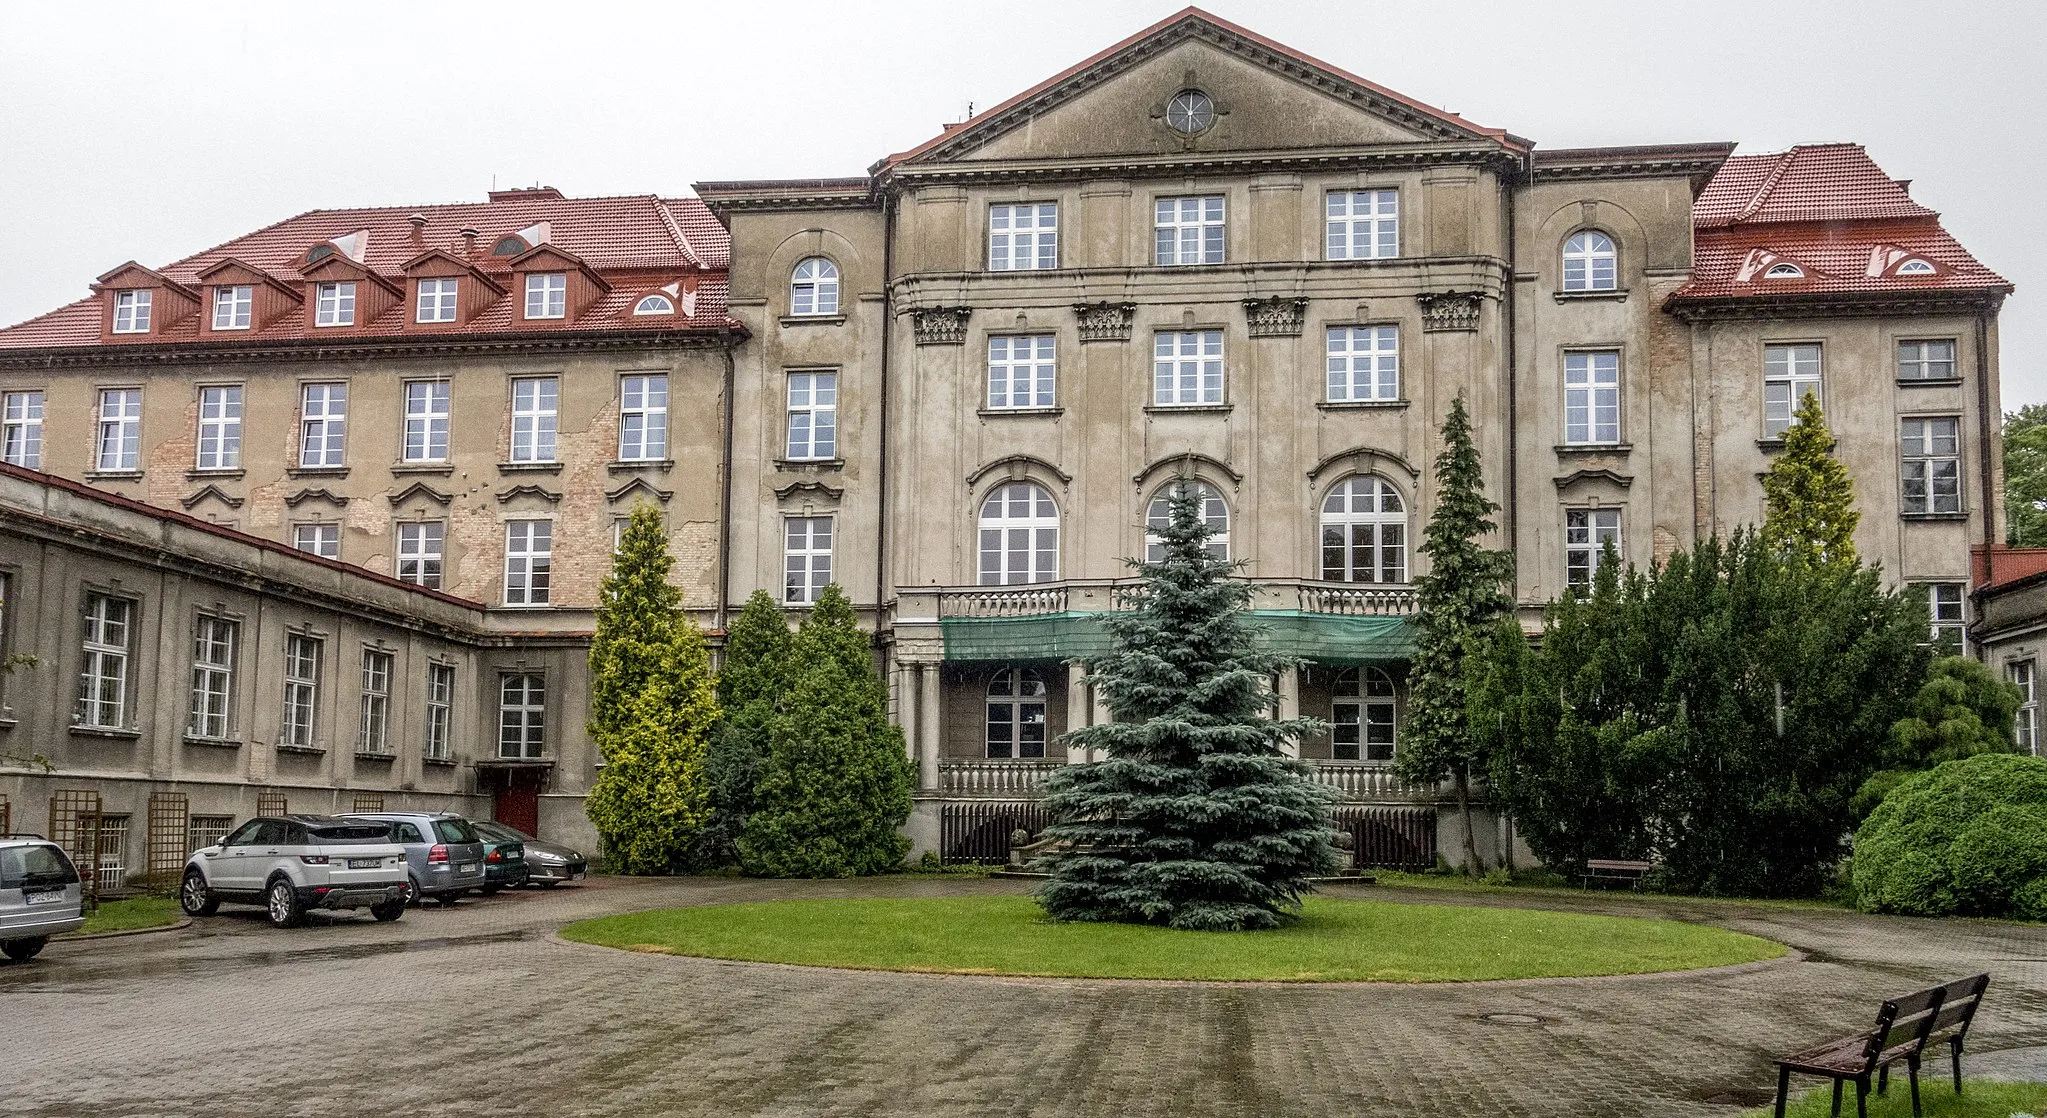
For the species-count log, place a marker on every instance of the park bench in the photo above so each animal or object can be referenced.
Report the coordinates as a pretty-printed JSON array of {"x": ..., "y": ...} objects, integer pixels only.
[
  {"x": 1904, "y": 1026},
  {"x": 1615, "y": 869}
]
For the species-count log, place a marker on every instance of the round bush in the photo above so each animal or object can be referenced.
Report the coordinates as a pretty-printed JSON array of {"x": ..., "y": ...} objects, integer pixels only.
[{"x": 1968, "y": 838}]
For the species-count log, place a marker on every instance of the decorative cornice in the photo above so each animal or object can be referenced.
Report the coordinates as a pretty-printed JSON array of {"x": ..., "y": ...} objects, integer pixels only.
[
  {"x": 1236, "y": 163},
  {"x": 421, "y": 489},
  {"x": 304, "y": 495},
  {"x": 631, "y": 484},
  {"x": 1105, "y": 321},
  {"x": 1834, "y": 304},
  {"x": 1364, "y": 459},
  {"x": 326, "y": 349},
  {"x": 828, "y": 492},
  {"x": 1449, "y": 311},
  {"x": 1276, "y": 317},
  {"x": 1580, "y": 476},
  {"x": 213, "y": 491},
  {"x": 528, "y": 490},
  {"x": 1184, "y": 465},
  {"x": 941, "y": 325},
  {"x": 1018, "y": 466}
]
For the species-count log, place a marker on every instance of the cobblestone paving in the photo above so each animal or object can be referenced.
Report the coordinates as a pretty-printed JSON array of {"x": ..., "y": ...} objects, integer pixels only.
[{"x": 478, "y": 1011}]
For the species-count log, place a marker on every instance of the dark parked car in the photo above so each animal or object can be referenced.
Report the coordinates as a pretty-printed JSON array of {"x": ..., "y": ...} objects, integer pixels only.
[
  {"x": 504, "y": 860},
  {"x": 547, "y": 863}
]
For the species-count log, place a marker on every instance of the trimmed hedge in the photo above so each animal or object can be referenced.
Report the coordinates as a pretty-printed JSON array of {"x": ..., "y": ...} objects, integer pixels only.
[{"x": 1966, "y": 839}]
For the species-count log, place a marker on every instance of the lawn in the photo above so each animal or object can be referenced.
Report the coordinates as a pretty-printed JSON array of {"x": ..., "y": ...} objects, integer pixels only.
[
  {"x": 130, "y": 914},
  {"x": 1979, "y": 1099},
  {"x": 1334, "y": 941}
]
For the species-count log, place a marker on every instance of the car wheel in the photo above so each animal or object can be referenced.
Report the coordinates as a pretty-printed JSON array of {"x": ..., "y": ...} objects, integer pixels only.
[
  {"x": 412, "y": 894},
  {"x": 388, "y": 911},
  {"x": 285, "y": 910},
  {"x": 193, "y": 896},
  {"x": 22, "y": 950}
]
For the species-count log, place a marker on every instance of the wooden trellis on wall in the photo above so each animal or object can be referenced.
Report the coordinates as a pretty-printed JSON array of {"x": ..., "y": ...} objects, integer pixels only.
[
  {"x": 270, "y": 803},
  {"x": 6, "y": 816},
  {"x": 169, "y": 818},
  {"x": 75, "y": 827}
]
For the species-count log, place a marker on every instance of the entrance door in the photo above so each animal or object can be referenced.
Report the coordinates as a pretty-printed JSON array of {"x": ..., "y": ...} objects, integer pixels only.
[{"x": 518, "y": 804}]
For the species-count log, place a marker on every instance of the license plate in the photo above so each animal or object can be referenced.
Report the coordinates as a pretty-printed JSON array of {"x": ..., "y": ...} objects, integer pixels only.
[
  {"x": 364, "y": 863},
  {"x": 43, "y": 898},
  {"x": 466, "y": 867},
  {"x": 576, "y": 876}
]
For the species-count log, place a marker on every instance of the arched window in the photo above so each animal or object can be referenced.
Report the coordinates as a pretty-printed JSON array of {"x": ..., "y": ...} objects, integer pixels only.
[
  {"x": 814, "y": 287},
  {"x": 510, "y": 245},
  {"x": 654, "y": 304},
  {"x": 1212, "y": 510},
  {"x": 1361, "y": 715},
  {"x": 1915, "y": 268},
  {"x": 1589, "y": 262},
  {"x": 1019, "y": 535},
  {"x": 1784, "y": 271},
  {"x": 1016, "y": 713},
  {"x": 1364, "y": 532}
]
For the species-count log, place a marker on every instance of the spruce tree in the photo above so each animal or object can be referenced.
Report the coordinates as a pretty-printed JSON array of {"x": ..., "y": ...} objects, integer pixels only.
[
  {"x": 834, "y": 786},
  {"x": 2025, "y": 476},
  {"x": 1194, "y": 819},
  {"x": 1461, "y": 601},
  {"x": 1808, "y": 499},
  {"x": 652, "y": 709},
  {"x": 752, "y": 679}
]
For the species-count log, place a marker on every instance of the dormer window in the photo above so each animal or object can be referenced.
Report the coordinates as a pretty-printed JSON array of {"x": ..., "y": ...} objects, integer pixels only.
[
  {"x": 319, "y": 252},
  {"x": 131, "y": 312},
  {"x": 547, "y": 295},
  {"x": 1784, "y": 271},
  {"x": 510, "y": 246},
  {"x": 232, "y": 307},
  {"x": 1915, "y": 268},
  {"x": 437, "y": 300},
  {"x": 334, "y": 304},
  {"x": 654, "y": 304}
]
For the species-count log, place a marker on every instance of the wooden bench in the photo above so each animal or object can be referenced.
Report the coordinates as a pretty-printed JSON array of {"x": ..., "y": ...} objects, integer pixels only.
[
  {"x": 1615, "y": 869},
  {"x": 1903, "y": 1027}
]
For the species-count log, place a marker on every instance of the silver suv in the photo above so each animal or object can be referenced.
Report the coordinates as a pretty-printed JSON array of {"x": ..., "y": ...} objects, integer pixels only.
[
  {"x": 292, "y": 863},
  {"x": 39, "y": 895},
  {"x": 443, "y": 853}
]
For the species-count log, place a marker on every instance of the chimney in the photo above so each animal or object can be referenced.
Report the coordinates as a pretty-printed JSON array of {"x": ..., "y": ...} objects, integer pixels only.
[
  {"x": 418, "y": 228},
  {"x": 469, "y": 240}
]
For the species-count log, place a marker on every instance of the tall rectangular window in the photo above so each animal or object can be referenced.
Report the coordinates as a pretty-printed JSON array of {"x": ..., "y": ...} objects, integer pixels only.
[
  {"x": 301, "y": 689},
  {"x": 1930, "y": 466},
  {"x": 2025, "y": 729},
  {"x": 233, "y": 307},
  {"x": 1188, "y": 231},
  {"x": 522, "y": 717},
  {"x": 426, "y": 421},
  {"x": 21, "y": 429},
  {"x": 1364, "y": 363},
  {"x": 1945, "y": 615},
  {"x": 323, "y": 540},
  {"x": 440, "y": 708},
  {"x": 419, "y": 552},
  {"x": 813, "y": 415},
  {"x": 1023, "y": 236},
  {"x": 534, "y": 410},
  {"x": 436, "y": 300},
  {"x": 547, "y": 295},
  {"x": 1592, "y": 398},
  {"x": 112, "y": 869},
  {"x": 131, "y": 312},
  {"x": 529, "y": 561},
  {"x": 220, "y": 428},
  {"x": 643, "y": 419},
  {"x": 1790, "y": 374},
  {"x": 1363, "y": 224},
  {"x": 1187, "y": 368},
  {"x": 334, "y": 304},
  {"x": 1021, "y": 371},
  {"x": 213, "y": 675},
  {"x": 1586, "y": 534},
  {"x": 1928, "y": 360},
  {"x": 323, "y": 425},
  {"x": 373, "y": 729},
  {"x": 103, "y": 672},
  {"x": 120, "y": 433},
  {"x": 806, "y": 558}
]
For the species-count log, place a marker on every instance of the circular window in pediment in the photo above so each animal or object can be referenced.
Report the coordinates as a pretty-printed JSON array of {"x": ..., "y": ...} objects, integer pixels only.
[{"x": 1190, "y": 111}]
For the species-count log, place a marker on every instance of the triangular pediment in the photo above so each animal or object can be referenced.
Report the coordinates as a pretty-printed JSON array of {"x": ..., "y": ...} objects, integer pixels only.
[{"x": 1267, "y": 97}]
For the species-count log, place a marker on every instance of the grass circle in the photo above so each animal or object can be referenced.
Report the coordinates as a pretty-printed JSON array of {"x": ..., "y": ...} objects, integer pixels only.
[{"x": 1334, "y": 941}]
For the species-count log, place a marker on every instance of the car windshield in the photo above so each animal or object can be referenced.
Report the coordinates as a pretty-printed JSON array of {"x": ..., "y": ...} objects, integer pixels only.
[
  {"x": 497, "y": 832},
  {"x": 454, "y": 830},
  {"x": 35, "y": 867},
  {"x": 352, "y": 833}
]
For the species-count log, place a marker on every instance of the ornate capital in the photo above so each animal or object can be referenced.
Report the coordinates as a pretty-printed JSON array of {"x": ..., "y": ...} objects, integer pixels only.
[
  {"x": 1104, "y": 322},
  {"x": 1444, "y": 311},
  {"x": 1277, "y": 317},
  {"x": 941, "y": 325}
]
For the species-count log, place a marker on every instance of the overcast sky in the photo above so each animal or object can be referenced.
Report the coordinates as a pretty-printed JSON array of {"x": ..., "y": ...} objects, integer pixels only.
[{"x": 150, "y": 132}]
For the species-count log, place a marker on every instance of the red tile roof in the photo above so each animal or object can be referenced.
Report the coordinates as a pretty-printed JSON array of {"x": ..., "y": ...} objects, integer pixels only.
[
  {"x": 638, "y": 244},
  {"x": 1810, "y": 182}
]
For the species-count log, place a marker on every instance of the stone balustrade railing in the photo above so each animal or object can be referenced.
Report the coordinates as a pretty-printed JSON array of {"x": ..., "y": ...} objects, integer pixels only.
[
  {"x": 1354, "y": 599},
  {"x": 1357, "y": 599},
  {"x": 994, "y": 778}
]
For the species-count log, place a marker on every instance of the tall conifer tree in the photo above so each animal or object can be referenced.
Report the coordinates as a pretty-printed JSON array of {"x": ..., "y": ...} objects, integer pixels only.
[
  {"x": 1808, "y": 499},
  {"x": 753, "y": 678}
]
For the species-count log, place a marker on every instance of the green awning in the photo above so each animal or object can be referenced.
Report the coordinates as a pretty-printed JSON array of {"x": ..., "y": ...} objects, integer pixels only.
[{"x": 1322, "y": 637}]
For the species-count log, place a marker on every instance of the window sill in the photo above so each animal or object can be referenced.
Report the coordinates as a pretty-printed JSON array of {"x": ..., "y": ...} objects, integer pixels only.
[
  {"x": 1933, "y": 516},
  {"x": 437, "y": 469},
  {"x": 629, "y": 465},
  {"x": 1594, "y": 448},
  {"x": 303, "y": 750},
  {"x": 812, "y": 320},
  {"x": 212, "y": 743},
  {"x": 1929, "y": 382},
  {"x": 105, "y": 732},
  {"x": 386, "y": 758},
  {"x": 1610, "y": 295},
  {"x": 997, "y": 413},
  {"x": 529, "y": 467},
  {"x": 810, "y": 463},
  {"x": 1360, "y": 405},
  {"x": 9, "y": 723},
  {"x": 1193, "y": 409},
  {"x": 535, "y": 607},
  {"x": 441, "y": 762},
  {"x": 215, "y": 475},
  {"x": 317, "y": 471},
  {"x": 113, "y": 475}
]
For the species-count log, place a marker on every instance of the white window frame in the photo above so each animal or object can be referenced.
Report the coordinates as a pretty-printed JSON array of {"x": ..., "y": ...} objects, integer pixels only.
[
  {"x": 1947, "y": 608},
  {"x": 1592, "y": 397},
  {"x": 1591, "y": 261},
  {"x": 120, "y": 431},
  {"x": 373, "y": 729},
  {"x": 1023, "y": 371},
  {"x": 301, "y": 715},
  {"x": 422, "y": 545},
  {"x": 547, "y": 295},
  {"x": 1018, "y": 534},
  {"x": 21, "y": 429},
  {"x": 812, "y": 419},
  {"x": 1586, "y": 531},
  {"x": 814, "y": 288},
  {"x": 1017, "y": 699},
  {"x": 202, "y": 831},
  {"x": 110, "y": 861},
  {"x": 220, "y": 427},
  {"x": 536, "y": 411},
  {"x": 334, "y": 304},
  {"x": 1363, "y": 364},
  {"x": 321, "y": 538},
  {"x": 440, "y": 710},
  {"x": 1187, "y": 368},
  {"x": 654, "y": 305},
  {"x": 1364, "y": 531},
  {"x": 2025, "y": 675},
  {"x": 234, "y": 306},
  {"x": 1930, "y": 465},
  {"x": 215, "y": 641},
  {"x": 643, "y": 417},
  {"x": 1023, "y": 236},
  {"x": 1189, "y": 230},
  {"x": 1363, "y": 716},
  {"x": 1157, "y": 515},
  {"x": 1791, "y": 372},
  {"x": 323, "y": 425},
  {"x": 1918, "y": 360},
  {"x": 1361, "y": 224},
  {"x": 529, "y": 562},
  {"x": 437, "y": 299},
  {"x": 107, "y": 646},
  {"x": 426, "y": 420},
  {"x": 806, "y": 557},
  {"x": 131, "y": 311},
  {"x": 522, "y": 716}
]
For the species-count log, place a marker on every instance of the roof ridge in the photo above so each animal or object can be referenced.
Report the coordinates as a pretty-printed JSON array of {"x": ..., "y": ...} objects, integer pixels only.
[
  {"x": 1765, "y": 188},
  {"x": 682, "y": 241}
]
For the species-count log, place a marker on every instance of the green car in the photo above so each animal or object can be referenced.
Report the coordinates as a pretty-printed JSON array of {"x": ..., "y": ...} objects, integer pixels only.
[{"x": 504, "y": 860}]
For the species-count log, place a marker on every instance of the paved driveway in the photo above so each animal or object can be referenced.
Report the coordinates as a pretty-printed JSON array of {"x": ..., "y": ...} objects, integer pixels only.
[{"x": 477, "y": 1011}]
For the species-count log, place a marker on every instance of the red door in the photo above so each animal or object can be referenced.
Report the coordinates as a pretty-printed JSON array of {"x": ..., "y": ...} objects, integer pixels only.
[{"x": 518, "y": 805}]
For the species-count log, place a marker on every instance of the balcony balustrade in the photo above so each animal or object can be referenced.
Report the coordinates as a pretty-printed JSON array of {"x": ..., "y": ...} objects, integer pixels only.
[
  {"x": 1343, "y": 599},
  {"x": 976, "y": 778}
]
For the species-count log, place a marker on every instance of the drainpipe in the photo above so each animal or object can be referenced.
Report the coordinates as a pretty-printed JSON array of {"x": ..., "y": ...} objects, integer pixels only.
[
  {"x": 1984, "y": 433},
  {"x": 888, "y": 329},
  {"x": 725, "y": 497},
  {"x": 1512, "y": 510}
]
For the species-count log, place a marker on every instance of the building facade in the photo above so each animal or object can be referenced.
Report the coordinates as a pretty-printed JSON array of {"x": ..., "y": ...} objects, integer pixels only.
[{"x": 960, "y": 385}]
